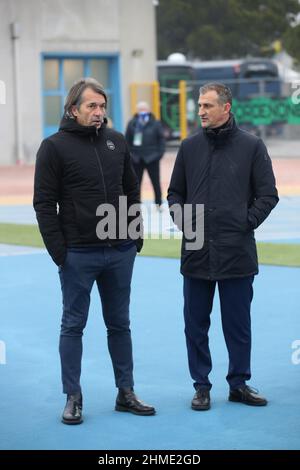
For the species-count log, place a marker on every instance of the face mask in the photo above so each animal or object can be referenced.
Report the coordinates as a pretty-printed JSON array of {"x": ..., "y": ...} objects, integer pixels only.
[{"x": 143, "y": 114}]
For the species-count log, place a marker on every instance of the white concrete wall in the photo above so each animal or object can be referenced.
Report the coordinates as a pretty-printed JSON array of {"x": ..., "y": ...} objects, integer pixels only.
[
  {"x": 6, "y": 75},
  {"x": 100, "y": 26},
  {"x": 137, "y": 45}
]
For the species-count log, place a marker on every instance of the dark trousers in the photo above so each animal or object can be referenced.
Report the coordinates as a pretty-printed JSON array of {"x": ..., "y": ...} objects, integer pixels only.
[
  {"x": 235, "y": 300},
  {"x": 153, "y": 171},
  {"x": 112, "y": 270}
]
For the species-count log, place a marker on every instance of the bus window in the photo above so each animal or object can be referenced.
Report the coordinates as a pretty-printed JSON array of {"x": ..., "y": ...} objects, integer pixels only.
[
  {"x": 225, "y": 71},
  {"x": 259, "y": 77}
]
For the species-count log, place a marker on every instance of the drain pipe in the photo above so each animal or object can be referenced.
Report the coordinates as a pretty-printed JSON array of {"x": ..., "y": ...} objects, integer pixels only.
[{"x": 15, "y": 36}]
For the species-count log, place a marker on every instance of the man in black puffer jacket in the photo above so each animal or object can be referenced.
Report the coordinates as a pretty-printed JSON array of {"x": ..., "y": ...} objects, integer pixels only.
[
  {"x": 84, "y": 187},
  {"x": 228, "y": 171}
]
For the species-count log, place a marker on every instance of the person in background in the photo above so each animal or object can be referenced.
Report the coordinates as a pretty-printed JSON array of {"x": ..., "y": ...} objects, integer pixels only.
[
  {"x": 144, "y": 135},
  {"x": 81, "y": 168},
  {"x": 230, "y": 172}
]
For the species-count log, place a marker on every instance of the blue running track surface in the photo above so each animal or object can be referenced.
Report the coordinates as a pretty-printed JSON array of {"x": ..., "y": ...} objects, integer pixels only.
[{"x": 32, "y": 402}]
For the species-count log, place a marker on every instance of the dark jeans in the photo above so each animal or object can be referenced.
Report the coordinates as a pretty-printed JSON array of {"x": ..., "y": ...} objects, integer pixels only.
[
  {"x": 235, "y": 301},
  {"x": 153, "y": 171},
  {"x": 112, "y": 270}
]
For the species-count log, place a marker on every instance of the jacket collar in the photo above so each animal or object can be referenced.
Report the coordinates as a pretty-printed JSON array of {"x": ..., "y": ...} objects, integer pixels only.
[
  {"x": 69, "y": 124},
  {"x": 224, "y": 131}
]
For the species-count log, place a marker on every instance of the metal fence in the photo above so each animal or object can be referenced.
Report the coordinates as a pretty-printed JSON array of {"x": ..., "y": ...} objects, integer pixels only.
[{"x": 265, "y": 107}]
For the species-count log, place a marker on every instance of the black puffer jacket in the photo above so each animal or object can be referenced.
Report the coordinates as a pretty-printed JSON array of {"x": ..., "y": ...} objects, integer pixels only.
[
  {"x": 153, "y": 141},
  {"x": 231, "y": 174},
  {"x": 77, "y": 169}
]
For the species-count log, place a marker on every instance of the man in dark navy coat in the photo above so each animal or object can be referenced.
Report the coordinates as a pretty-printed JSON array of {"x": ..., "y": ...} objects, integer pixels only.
[
  {"x": 145, "y": 138},
  {"x": 229, "y": 172}
]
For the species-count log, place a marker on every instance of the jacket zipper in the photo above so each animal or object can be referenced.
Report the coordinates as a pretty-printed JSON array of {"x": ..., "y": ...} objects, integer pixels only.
[
  {"x": 101, "y": 171},
  {"x": 100, "y": 168}
]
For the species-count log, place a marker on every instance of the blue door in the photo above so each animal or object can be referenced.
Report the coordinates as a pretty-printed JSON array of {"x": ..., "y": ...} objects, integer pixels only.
[{"x": 59, "y": 72}]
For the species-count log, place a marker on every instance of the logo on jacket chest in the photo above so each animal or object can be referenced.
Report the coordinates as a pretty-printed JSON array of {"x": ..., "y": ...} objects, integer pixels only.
[{"x": 110, "y": 145}]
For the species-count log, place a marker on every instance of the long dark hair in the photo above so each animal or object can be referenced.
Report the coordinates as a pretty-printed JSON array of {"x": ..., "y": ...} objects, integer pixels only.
[{"x": 74, "y": 97}]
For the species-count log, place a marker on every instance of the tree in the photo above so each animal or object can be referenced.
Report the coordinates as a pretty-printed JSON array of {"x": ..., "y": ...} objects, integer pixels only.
[
  {"x": 292, "y": 42},
  {"x": 212, "y": 29}
]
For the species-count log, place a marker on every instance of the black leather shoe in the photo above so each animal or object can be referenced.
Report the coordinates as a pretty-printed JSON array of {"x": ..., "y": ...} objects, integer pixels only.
[
  {"x": 247, "y": 395},
  {"x": 201, "y": 400},
  {"x": 73, "y": 410},
  {"x": 128, "y": 401}
]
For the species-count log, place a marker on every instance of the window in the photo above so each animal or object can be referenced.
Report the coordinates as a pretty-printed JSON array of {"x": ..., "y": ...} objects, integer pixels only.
[{"x": 59, "y": 74}]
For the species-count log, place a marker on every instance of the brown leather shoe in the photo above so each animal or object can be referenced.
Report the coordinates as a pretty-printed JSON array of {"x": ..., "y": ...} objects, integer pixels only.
[
  {"x": 128, "y": 401},
  {"x": 247, "y": 395},
  {"x": 201, "y": 400},
  {"x": 73, "y": 410}
]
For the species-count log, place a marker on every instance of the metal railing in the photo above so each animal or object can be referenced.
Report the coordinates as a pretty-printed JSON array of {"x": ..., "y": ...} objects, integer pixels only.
[{"x": 267, "y": 107}]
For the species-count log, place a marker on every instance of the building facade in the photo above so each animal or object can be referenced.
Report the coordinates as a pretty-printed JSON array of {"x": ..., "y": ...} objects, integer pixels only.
[{"x": 46, "y": 45}]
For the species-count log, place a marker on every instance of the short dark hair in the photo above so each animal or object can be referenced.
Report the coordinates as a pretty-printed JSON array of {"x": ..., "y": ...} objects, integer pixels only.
[
  {"x": 223, "y": 91},
  {"x": 74, "y": 97}
]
